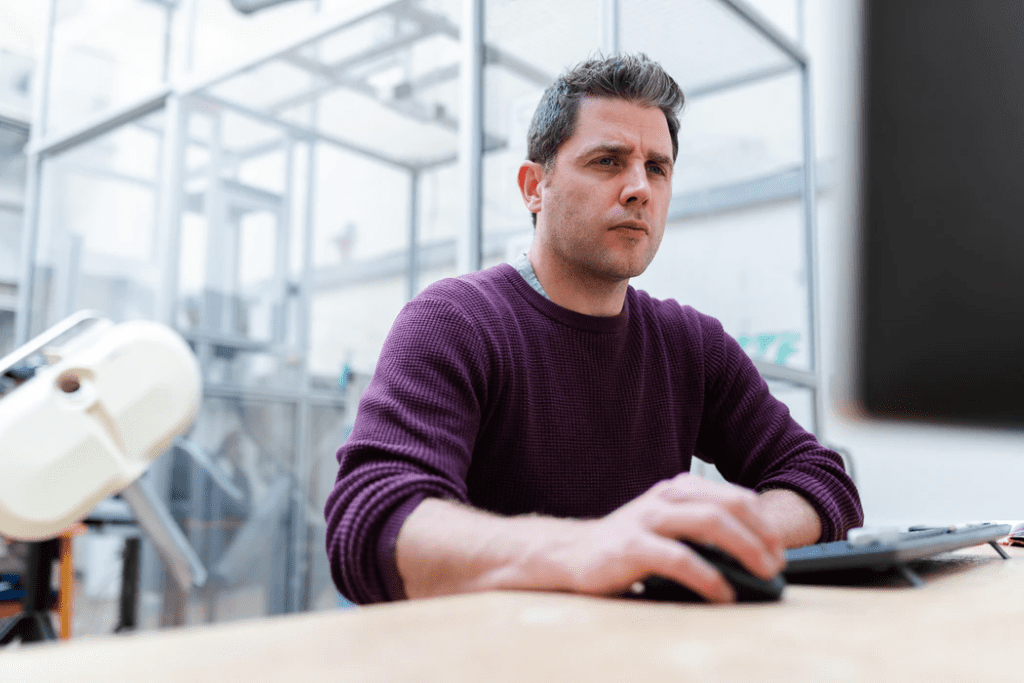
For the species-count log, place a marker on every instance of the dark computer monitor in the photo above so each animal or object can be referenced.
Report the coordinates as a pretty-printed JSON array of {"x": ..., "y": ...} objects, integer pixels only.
[{"x": 941, "y": 212}]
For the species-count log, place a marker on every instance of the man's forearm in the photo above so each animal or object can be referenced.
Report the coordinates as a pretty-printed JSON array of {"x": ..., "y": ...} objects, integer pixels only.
[
  {"x": 477, "y": 551},
  {"x": 445, "y": 548},
  {"x": 796, "y": 519}
]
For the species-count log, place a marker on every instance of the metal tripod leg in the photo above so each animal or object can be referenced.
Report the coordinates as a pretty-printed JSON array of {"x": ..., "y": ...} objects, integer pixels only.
[{"x": 33, "y": 624}]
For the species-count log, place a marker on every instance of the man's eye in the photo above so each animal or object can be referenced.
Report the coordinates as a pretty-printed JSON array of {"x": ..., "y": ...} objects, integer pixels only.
[
  {"x": 606, "y": 161},
  {"x": 656, "y": 169}
]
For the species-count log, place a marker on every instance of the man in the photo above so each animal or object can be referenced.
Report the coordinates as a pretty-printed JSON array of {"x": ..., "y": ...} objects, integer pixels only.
[{"x": 532, "y": 426}]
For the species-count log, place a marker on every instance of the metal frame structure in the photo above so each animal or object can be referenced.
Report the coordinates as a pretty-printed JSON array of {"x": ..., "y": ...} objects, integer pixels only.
[{"x": 181, "y": 95}]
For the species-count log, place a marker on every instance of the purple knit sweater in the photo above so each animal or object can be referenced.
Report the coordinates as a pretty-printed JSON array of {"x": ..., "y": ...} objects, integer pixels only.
[{"x": 490, "y": 394}]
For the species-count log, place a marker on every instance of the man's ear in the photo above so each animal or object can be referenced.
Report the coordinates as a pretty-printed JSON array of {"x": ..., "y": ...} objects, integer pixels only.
[{"x": 531, "y": 174}]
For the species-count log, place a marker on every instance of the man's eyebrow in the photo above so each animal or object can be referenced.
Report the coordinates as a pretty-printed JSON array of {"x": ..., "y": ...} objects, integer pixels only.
[
  {"x": 618, "y": 149},
  {"x": 663, "y": 159},
  {"x": 608, "y": 148}
]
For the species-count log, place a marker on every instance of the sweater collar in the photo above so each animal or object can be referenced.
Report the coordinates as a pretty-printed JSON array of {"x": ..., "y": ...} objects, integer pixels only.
[{"x": 564, "y": 316}]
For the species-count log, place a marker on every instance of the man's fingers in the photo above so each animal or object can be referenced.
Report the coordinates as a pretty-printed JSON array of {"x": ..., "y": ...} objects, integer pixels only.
[
  {"x": 708, "y": 524},
  {"x": 675, "y": 561},
  {"x": 744, "y": 505}
]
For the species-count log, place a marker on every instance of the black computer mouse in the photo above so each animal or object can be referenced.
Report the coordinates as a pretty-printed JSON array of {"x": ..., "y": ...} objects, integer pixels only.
[{"x": 748, "y": 587}]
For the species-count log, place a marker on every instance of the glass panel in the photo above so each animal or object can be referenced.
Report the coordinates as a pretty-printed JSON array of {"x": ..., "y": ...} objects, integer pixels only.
[
  {"x": 97, "y": 227},
  {"x": 13, "y": 139},
  {"x": 105, "y": 55},
  {"x": 235, "y": 233},
  {"x": 223, "y": 35},
  {"x": 784, "y": 15},
  {"x": 15, "y": 79},
  {"x": 329, "y": 427},
  {"x": 361, "y": 211},
  {"x": 350, "y": 323},
  {"x": 740, "y": 134},
  {"x": 800, "y": 402},
  {"x": 384, "y": 82},
  {"x": 542, "y": 38},
  {"x": 701, "y": 43},
  {"x": 530, "y": 44},
  {"x": 238, "y": 530},
  {"x": 361, "y": 255},
  {"x": 759, "y": 292}
]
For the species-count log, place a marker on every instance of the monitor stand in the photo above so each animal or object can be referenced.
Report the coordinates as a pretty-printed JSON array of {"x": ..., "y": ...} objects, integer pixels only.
[{"x": 914, "y": 580}]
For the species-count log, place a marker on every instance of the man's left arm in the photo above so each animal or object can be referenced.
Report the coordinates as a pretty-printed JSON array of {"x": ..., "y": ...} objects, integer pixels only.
[{"x": 754, "y": 442}]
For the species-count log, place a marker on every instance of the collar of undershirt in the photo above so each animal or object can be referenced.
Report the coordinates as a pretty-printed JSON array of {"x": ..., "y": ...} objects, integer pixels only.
[{"x": 587, "y": 323}]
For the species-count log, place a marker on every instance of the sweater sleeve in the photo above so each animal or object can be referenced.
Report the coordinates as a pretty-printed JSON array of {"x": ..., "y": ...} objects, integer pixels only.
[
  {"x": 412, "y": 438},
  {"x": 753, "y": 441}
]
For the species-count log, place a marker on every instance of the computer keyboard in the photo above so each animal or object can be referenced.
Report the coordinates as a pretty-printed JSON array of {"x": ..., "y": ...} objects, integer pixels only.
[{"x": 885, "y": 549}]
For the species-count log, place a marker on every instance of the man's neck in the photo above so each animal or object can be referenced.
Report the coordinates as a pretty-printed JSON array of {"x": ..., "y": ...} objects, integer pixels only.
[{"x": 589, "y": 296}]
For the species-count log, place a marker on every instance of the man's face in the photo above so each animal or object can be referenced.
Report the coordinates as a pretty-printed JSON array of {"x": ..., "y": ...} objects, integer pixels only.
[{"x": 604, "y": 201}]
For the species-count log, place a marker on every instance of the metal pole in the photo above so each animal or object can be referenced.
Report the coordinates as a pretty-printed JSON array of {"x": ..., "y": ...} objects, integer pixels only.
[
  {"x": 33, "y": 185},
  {"x": 810, "y": 240},
  {"x": 169, "y": 203},
  {"x": 414, "y": 239},
  {"x": 801, "y": 23},
  {"x": 301, "y": 536},
  {"x": 610, "y": 41},
  {"x": 282, "y": 251},
  {"x": 298, "y": 560},
  {"x": 471, "y": 125}
]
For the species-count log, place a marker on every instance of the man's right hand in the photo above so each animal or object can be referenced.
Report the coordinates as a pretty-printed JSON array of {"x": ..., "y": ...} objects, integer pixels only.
[{"x": 446, "y": 548}]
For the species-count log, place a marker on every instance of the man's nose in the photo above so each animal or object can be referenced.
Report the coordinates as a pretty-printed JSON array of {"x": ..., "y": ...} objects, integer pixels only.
[{"x": 637, "y": 186}]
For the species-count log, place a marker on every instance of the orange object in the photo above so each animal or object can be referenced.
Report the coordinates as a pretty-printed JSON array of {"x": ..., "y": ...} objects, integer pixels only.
[{"x": 66, "y": 583}]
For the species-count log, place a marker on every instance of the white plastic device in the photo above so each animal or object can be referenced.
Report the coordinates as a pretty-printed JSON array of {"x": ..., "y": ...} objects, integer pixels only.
[{"x": 90, "y": 423}]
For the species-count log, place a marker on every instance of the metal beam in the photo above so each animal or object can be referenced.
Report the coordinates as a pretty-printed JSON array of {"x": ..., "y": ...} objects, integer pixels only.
[
  {"x": 757, "y": 21},
  {"x": 307, "y": 134},
  {"x": 312, "y": 94},
  {"x": 782, "y": 373},
  {"x": 449, "y": 159},
  {"x": 333, "y": 77},
  {"x": 10, "y": 118},
  {"x": 13, "y": 203},
  {"x": 438, "y": 76},
  {"x": 404, "y": 106},
  {"x": 101, "y": 125},
  {"x": 271, "y": 394},
  {"x": 380, "y": 50},
  {"x": 737, "y": 81},
  {"x": 784, "y": 185},
  {"x": 439, "y": 254},
  {"x": 517, "y": 66},
  {"x": 199, "y": 84},
  {"x": 107, "y": 174}
]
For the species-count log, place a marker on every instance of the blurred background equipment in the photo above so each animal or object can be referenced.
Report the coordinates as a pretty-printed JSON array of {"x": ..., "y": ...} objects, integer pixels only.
[
  {"x": 941, "y": 243},
  {"x": 88, "y": 407}
]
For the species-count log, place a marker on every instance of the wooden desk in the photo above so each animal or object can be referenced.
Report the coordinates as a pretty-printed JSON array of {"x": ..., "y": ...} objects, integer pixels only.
[{"x": 965, "y": 625}]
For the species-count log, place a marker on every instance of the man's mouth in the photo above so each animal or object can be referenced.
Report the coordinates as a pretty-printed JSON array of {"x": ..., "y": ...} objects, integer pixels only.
[{"x": 638, "y": 226}]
